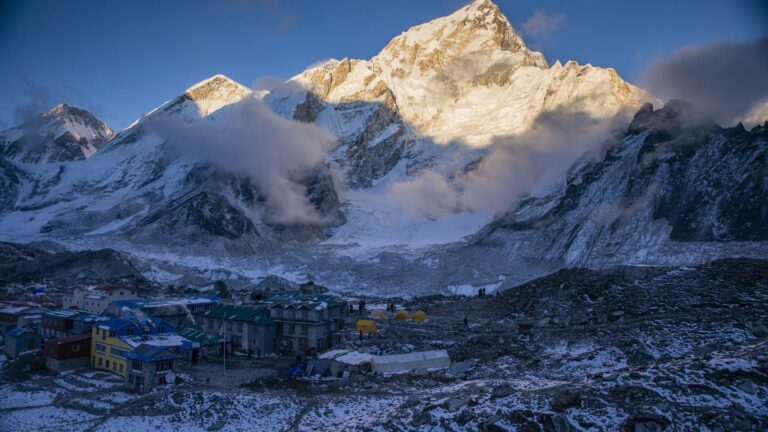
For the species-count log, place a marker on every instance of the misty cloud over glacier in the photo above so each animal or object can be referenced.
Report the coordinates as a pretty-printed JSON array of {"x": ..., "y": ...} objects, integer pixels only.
[
  {"x": 248, "y": 139},
  {"x": 517, "y": 166},
  {"x": 726, "y": 80}
]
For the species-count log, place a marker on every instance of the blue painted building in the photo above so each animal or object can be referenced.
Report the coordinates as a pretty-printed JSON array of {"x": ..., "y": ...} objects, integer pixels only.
[
  {"x": 151, "y": 365},
  {"x": 21, "y": 340}
]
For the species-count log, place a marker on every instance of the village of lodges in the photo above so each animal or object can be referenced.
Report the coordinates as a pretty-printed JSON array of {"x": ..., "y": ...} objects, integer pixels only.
[{"x": 147, "y": 341}]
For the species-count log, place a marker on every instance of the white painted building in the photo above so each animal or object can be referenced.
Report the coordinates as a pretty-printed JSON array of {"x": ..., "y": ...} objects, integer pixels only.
[{"x": 96, "y": 299}]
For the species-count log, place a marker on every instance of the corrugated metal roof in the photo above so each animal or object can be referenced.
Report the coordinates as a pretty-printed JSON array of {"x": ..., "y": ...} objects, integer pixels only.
[
  {"x": 238, "y": 313},
  {"x": 69, "y": 339},
  {"x": 151, "y": 353}
]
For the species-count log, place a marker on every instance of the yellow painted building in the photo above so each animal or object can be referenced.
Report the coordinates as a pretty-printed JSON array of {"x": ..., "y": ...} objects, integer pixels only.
[{"x": 108, "y": 351}]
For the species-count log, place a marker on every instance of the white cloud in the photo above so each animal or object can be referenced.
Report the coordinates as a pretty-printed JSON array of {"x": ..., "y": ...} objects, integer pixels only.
[
  {"x": 247, "y": 139},
  {"x": 726, "y": 80},
  {"x": 542, "y": 24}
]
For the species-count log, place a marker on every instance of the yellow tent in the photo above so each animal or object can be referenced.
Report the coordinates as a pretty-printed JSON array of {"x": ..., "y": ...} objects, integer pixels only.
[
  {"x": 419, "y": 316},
  {"x": 366, "y": 326},
  {"x": 402, "y": 315},
  {"x": 378, "y": 313}
]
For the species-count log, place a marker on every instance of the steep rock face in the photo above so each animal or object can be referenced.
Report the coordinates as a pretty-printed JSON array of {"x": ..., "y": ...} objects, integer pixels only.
[
  {"x": 30, "y": 264},
  {"x": 10, "y": 181},
  {"x": 674, "y": 178},
  {"x": 62, "y": 134},
  {"x": 466, "y": 78},
  {"x": 142, "y": 187}
]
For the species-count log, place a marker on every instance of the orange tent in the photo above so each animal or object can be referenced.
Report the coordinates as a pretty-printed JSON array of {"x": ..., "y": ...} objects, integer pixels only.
[
  {"x": 402, "y": 315},
  {"x": 419, "y": 316},
  {"x": 366, "y": 326},
  {"x": 378, "y": 313}
]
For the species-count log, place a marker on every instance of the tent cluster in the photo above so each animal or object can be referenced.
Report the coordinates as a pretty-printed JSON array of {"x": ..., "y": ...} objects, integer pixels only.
[
  {"x": 418, "y": 316},
  {"x": 401, "y": 315}
]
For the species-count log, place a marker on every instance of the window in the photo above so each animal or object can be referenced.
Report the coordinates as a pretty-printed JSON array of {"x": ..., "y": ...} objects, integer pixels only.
[
  {"x": 75, "y": 348},
  {"x": 239, "y": 326},
  {"x": 137, "y": 365},
  {"x": 304, "y": 315},
  {"x": 121, "y": 368},
  {"x": 303, "y": 330},
  {"x": 117, "y": 352},
  {"x": 291, "y": 328},
  {"x": 164, "y": 365},
  {"x": 129, "y": 332},
  {"x": 229, "y": 326},
  {"x": 30, "y": 344},
  {"x": 106, "y": 362},
  {"x": 101, "y": 348},
  {"x": 99, "y": 362}
]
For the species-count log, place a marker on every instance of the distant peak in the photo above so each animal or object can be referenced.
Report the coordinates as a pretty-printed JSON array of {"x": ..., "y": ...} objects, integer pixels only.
[
  {"x": 216, "y": 81},
  {"x": 216, "y": 87},
  {"x": 59, "y": 109},
  {"x": 478, "y": 33},
  {"x": 484, "y": 7},
  {"x": 63, "y": 109}
]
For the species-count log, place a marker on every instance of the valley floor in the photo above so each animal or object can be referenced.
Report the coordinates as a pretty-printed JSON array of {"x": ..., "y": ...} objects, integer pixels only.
[{"x": 639, "y": 349}]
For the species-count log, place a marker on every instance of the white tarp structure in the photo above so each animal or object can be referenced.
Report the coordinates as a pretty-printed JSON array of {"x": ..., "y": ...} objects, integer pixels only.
[
  {"x": 416, "y": 360},
  {"x": 348, "y": 357}
]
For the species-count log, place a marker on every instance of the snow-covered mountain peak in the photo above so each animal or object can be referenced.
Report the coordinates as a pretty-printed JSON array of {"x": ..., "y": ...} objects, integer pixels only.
[
  {"x": 478, "y": 31},
  {"x": 62, "y": 133},
  {"x": 200, "y": 100},
  {"x": 215, "y": 92}
]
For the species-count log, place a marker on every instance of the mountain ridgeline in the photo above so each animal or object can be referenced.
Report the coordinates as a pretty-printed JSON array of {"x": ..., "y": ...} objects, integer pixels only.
[{"x": 671, "y": 187}]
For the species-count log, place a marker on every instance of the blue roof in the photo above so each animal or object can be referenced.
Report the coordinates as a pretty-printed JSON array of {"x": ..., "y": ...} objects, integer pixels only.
[
  {"x": 170, "y": 301},
  {"x": 75, "y": 315},
  {"x": 19, "y": 331},
  {"x": 117, "y": 324},
  {"x": 151, "y": 353}
]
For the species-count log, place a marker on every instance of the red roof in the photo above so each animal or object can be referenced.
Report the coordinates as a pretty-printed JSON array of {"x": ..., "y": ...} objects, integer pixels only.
[{"x": 70, "y": 339}]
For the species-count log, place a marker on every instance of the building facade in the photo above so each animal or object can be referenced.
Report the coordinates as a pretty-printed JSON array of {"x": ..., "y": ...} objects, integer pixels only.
[
  {"x": 20, "y": 341},
  {"x": 179, "y": 311},
  {"x": 306, "y": 322},
  {"x": 59, "y": 323},
  {"x": 97, "y": 299},
  {"x": 249, "y": 329},
  {"x": 109, "y": 346},
  {"x": 20, "y": 314},
  {"x": 150, "y": 366},
  {"x": 67, "y": 353}
]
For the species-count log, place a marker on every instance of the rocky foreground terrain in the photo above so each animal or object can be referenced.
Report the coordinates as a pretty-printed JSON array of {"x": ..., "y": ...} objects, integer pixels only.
[{"x": 628, "y": 348}]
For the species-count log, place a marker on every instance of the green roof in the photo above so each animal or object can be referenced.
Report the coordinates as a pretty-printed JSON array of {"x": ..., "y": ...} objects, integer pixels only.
[
  {"x": 238, "y": 313},
  {"x": 299, "y": 299},
  {"x": 146, "y": 353},
  {"x": 196, "y": 334}
]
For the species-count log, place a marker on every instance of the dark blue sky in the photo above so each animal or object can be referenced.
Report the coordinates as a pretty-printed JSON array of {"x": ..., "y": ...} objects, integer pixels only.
[{"x": 120, "y": 59}]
